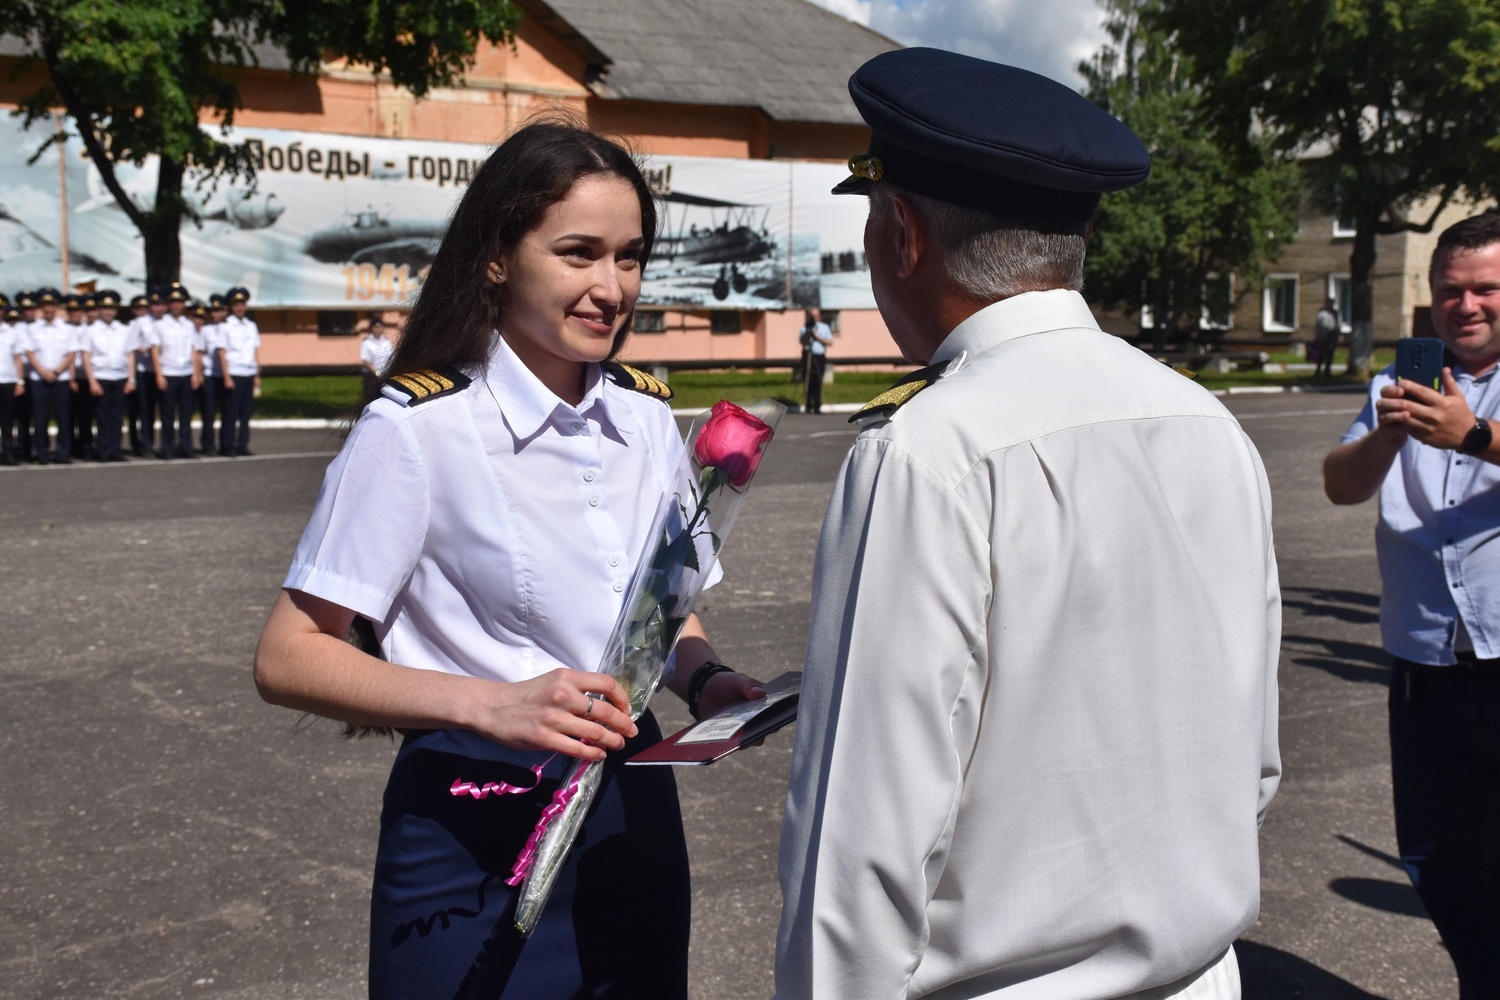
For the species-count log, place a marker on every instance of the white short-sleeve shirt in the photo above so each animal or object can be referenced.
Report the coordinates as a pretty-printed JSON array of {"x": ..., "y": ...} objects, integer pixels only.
[
  {"x": 108, "y": 346},
  {"x": 240, "y": 338},
  {"x": 492, "y": 531}
]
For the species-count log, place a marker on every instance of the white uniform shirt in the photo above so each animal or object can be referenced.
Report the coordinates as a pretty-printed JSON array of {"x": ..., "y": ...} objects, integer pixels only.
[
  {"x": 52, "y": 343},
  {"x": 210, "y": 339},
  {"x": 143, "y": 332},
  {"x": 108, "y": 346},
  {"x": 493, "y": 531},
  {"x": 240, "y": 339},
  {"x": 177, "y": 340},
  {"x": 1038, "y": 717},
  {"x": 10, "y": 349},
  {"x": 376, "y": 352}
]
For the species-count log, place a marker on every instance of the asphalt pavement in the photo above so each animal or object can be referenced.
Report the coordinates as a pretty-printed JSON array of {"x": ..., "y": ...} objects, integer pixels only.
[{"x": 167, "y": 834}]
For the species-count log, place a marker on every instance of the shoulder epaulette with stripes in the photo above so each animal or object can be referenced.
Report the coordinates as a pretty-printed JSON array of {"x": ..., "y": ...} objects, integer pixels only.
[
  {"x": 412, "y": 388},
  {"x": 637, "y": 380},
  {"x": 900, "y": 394}
]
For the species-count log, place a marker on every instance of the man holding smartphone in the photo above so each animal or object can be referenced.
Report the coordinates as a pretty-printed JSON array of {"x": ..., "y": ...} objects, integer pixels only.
[{"x": 1433, "y": 459}]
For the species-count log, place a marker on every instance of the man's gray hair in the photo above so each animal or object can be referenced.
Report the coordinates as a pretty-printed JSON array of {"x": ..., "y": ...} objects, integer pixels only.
[{"x": 990, "y": 256}]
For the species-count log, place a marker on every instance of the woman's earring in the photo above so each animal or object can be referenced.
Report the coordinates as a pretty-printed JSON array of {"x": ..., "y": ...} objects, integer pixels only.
[{"x": 496, "y": 275}]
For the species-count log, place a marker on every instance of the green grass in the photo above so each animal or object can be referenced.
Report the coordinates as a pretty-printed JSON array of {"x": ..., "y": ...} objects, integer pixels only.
[{"x": 336, "y": 396}]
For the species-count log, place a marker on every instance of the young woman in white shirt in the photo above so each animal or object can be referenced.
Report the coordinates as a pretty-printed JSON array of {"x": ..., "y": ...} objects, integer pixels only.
[{"x": 487, "y": 527}]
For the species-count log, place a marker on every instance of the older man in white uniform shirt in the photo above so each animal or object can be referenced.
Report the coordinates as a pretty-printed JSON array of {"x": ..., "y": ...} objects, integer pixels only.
[{"x": 1038, "y": 719}]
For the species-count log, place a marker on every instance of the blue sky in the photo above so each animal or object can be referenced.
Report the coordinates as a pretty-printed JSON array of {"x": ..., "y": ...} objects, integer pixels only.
[{"x": 1046, "y": 36}]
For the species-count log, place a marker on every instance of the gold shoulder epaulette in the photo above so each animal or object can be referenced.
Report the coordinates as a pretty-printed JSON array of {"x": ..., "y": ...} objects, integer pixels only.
[
  {"x": 1185, "y": 372},
  {"x": 637, "y": 380},
  {"x": 412, "y": 388},
  {"x": 898, "y": 395}
]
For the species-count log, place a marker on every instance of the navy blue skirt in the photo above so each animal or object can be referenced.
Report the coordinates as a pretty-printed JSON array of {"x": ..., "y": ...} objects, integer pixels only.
[{"x": 441, "y": 915}]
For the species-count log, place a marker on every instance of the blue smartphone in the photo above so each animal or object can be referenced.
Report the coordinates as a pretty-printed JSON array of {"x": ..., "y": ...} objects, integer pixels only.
[{"x": 1420, "y": 360}]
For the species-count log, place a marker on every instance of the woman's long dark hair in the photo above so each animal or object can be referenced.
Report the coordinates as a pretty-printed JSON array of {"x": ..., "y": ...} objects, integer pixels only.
[{"x": 458, "y": 309}]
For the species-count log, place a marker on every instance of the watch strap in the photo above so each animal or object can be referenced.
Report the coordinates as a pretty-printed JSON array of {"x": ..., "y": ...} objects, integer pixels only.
[{"x": 1478, "y": 438}]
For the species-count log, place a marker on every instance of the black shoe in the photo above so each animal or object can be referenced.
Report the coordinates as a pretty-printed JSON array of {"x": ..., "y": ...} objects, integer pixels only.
[
  {"x": 62, "y": 460},
  {"x": 243, "y": 452},
  {"x": 162, "y": 455},
  {"x": 186, "y": 453}
]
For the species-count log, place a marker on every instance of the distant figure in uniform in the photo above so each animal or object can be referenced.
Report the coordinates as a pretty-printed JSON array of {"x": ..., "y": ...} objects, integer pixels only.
[
  {"x": 12, "y": 378},
  {"x": 240, "y": 339},
  {"x": 212, "y": 395},
  {"x": 146, "y": 327},
  {"x": 1037, "y": 730},
  {"x": 816, "y": 336},
  {"x": 374, "y": 354},
  {"x": 26, "y": 300},
  {"x": 79, "y": 309},
  {"x": 51, "y": 347},
  {"x": 109, "y": 373},
  {"x": 1326, "y": 329},
  {"x": 504, "y": 397},
  {"x": 178, "y": 366}
]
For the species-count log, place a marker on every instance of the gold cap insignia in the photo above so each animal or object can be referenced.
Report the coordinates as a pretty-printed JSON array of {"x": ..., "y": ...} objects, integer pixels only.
[{"x": 867, "y": 166}]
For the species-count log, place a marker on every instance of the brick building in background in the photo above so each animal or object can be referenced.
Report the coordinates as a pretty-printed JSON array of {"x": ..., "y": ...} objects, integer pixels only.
[{"x": 753, "y": 80}]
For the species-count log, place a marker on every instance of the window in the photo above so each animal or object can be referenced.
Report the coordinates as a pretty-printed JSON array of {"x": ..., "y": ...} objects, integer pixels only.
[
  {"x": 1279, "y": 304},
  {"x": 1341, "y": 291},
  {"x": 1344, "y": 224},
  {"x": 724, "y": 321},
  {"x": 831, "y": 317},
  {"x": 336, "y": 323},
  {"x": 1218, "y": 299},
  {"x": 649, "y": 321}
]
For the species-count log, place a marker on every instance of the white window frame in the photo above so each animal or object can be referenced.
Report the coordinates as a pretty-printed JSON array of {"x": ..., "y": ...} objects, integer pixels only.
[
  {"x": 1268, "y": 322},
  {"x": 1342, "y": 231},
  {"x": 1345, "y": 324}
]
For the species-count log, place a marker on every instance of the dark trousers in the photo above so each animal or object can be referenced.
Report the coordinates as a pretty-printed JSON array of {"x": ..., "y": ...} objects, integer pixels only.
[
  {"x": 238, "y": 404},
  {"x": 616, "y": 925},
  {"x": 51, "y": 399},
  {"x": 210, "y": 402},
  {"x": 83, "y": 419},
  {"x": 7, "y": 420},
  {"x": 813, "y": 397},
  {"x": 140, "y": 410},
  {"x": 177, "y": 416},
  {"x": 23, "y": 423},
  {"x": 109, "y": 409},
  {"x": 1445, "y": 774}
]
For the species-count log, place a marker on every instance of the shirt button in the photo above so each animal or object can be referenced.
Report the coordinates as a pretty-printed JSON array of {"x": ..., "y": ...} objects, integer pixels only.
[
  {"x": 614, "y": 560},
  {"x": 588, "y": 476},
  {"x": 619, "y": 587},
  {"x": 593, "y": 499}
]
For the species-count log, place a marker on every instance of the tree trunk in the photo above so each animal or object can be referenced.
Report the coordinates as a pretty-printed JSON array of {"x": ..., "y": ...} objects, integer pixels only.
[
  {"x": 163, "y": 236},
  {"x": 1362, "y": 298}
]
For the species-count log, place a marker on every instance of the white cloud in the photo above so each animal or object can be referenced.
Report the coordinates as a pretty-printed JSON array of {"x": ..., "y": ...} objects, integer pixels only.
[{"x": 1046, "y": 36}]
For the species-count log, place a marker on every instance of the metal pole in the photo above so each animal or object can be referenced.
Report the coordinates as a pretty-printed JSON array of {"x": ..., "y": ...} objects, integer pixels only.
[
  {"x": 62, "y": 194},
  {"x": 790, "y": 235}
]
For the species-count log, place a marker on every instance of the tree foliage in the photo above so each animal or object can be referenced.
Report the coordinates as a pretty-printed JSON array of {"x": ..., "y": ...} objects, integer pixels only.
[
  {"x": 139, "y": 78},
  {"x": 1389, "y": 103},
  {"x": 1206, "y": 212}
]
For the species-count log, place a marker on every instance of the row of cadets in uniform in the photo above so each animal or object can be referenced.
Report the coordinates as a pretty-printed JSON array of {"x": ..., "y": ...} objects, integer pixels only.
[{"x": 63, "y": 369}]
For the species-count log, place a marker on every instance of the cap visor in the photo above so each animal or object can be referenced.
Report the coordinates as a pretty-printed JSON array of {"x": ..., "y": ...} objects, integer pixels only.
[{"x": 853, "y": 184}]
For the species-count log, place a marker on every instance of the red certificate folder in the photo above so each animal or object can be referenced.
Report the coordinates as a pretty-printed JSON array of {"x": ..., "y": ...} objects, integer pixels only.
[{"x": 730, "y": 729}]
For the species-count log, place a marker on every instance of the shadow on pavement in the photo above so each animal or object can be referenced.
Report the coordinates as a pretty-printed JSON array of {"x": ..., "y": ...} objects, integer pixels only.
[
  {"x": 1268, "y": 973},
  {"x": 1345, "y": 605},
  {"x": 1378, "y": 894},
  {"x": 1373, "y": 852},
  {"x": 1349, "y": 661}
]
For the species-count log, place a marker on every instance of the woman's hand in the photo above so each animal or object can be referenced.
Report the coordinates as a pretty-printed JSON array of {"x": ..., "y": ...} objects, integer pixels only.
[
  {"x": 728, "y": 688},
  {"x": 554, "y": 712}
]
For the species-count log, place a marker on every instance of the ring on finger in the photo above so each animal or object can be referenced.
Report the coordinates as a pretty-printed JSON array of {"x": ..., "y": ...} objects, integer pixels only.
[{"x": 590, "y": 709}]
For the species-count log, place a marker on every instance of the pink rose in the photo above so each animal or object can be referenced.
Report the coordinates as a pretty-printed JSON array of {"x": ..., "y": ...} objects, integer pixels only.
[{"x": 733, "y": 441}]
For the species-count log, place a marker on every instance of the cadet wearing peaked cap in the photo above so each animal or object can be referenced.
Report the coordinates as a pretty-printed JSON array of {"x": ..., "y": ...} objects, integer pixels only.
[
  {"x": 12, "y": 378},
  {"x": 239, "y": 340},
  {"x": 109, "y": 373},
  {"x": 26, "y": 302},
  {"x": 1072, "y": 543},
  {"x": 142, "y": 379},
  {"x": 51, "y": 351}
]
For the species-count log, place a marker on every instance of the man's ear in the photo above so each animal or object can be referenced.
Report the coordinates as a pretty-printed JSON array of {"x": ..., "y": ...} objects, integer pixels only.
[{"x": 910, "y": 233}]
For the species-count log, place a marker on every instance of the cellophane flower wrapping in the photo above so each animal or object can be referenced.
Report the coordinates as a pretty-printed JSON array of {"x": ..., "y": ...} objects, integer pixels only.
[{"x": 724, "y": 449}]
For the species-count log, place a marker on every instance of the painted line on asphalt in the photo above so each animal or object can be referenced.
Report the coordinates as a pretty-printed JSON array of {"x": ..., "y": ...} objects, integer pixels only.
[{"x": 1297, "y": 413}]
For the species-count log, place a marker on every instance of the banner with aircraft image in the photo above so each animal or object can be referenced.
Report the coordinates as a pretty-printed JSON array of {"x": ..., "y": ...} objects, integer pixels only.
[{"x": 344, "y": 222}]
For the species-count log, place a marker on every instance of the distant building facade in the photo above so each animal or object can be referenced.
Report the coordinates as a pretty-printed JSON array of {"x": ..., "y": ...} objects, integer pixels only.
[{"x": 753, "y": 80}]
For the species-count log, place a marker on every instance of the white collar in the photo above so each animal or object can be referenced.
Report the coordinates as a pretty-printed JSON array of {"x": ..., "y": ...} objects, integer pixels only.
[
  {"x": 528, "y": 405},
  {"x": 1018, "y": 316}
]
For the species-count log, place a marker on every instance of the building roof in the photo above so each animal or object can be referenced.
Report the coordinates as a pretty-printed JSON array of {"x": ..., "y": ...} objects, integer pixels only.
[{"x": 790, "y": 58}]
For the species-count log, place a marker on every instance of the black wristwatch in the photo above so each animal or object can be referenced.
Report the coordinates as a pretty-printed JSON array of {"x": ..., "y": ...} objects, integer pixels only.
[
  {"x": 700, "y": 677},
  {"x": 1478, "y": 438}
]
